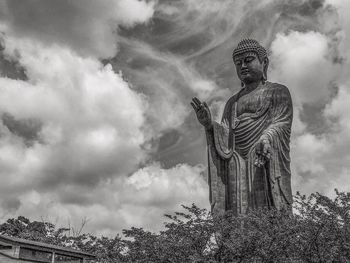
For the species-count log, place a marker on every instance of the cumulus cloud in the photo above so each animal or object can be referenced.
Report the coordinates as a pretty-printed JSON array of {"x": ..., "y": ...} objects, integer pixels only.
[
  {"x": 138, "y": 200},
  {"x": 343, "y": 10},
  {"x": 89, "y": 127},
  {"x": 301, "y": 61},
  {"x": 89, "y": 27}
]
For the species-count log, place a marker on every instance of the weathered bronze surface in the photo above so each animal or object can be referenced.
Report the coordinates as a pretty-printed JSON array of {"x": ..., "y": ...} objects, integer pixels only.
[{"x": 248, "y": 152}]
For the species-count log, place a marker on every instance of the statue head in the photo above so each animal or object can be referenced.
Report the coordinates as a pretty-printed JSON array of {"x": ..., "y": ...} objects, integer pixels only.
[{"x": 251, "y": 61}]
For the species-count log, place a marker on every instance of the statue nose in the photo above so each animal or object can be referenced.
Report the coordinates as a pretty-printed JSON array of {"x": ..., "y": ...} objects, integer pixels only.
[{"x": 244, "y": 68}]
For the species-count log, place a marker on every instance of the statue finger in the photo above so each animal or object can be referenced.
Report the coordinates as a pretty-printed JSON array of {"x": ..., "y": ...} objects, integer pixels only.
[
  {"x": 197, "y": 102},
  {"x": 261, "y": 160},
  {"x": 266, "y": 152},
  {"x": 267, "y": 148},
  {"x": 268, "y": 156},
  {"x": 258, "y": 149},
  {"x": 256, "y": 161},
  {"x": 194, "y": 106},
  {"x": 269, "y": 153},
  {"x": 206, "y": 106}
]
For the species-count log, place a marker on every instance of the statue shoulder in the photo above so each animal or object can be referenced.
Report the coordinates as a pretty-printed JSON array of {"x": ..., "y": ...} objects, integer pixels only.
[
  {"x": 277, "y": 87},
  {"x": 231, "y": 101},
  {"x": 229, "y": 105},
  {"x": 279, "y": 93}
]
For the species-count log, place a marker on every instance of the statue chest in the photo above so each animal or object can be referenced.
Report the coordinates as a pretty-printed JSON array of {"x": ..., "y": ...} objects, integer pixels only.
[{"x": 251, "y": 103}]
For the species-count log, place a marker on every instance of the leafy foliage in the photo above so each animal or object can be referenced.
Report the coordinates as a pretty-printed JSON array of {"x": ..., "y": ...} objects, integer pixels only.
[
  {"x": 38, "y": 231},
  {"x": 317, "y": 231}
]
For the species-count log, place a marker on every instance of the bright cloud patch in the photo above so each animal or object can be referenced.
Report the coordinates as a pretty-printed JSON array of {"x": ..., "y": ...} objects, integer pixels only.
[
  {"x": 87, "y": 117},
  {"x": 301, "y": 61}
]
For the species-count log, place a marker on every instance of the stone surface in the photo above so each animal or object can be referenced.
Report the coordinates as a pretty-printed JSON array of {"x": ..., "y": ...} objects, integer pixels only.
[{"x": 248, "y": 152}]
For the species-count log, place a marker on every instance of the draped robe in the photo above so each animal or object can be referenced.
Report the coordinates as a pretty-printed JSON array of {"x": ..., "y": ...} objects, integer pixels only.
[{"x": 235, "y": 183}]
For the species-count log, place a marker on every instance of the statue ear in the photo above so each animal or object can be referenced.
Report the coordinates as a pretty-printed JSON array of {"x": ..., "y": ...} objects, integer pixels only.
[{"x": 265, "y": 66}]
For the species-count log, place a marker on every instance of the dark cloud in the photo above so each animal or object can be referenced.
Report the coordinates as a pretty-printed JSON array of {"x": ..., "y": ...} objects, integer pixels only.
[
  {"x": 87, "y": 26},
  {"x": 11, "y": 68},
  {"x": 28, "y": 129},
  {"x": 10, "y": 204}
]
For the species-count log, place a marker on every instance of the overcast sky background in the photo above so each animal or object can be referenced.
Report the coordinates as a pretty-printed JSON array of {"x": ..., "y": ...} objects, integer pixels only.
[{"x": 94, "y": 101}]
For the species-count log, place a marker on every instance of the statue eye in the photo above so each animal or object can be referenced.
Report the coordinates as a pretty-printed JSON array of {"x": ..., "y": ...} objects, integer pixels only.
[
  {"x": 238, "y": 62},
  {"x": 249, "y": 59}
]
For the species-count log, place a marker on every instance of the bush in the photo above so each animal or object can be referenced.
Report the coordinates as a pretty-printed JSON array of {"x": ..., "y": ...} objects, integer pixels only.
[{"x": 317, "y": 231}]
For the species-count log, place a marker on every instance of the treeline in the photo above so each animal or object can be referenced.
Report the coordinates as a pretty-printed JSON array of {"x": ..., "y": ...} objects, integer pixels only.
[{"x": 317, "y": 231}]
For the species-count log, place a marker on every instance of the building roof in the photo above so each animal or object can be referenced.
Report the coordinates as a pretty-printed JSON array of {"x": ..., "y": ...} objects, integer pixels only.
[{"x": 44, "y": 246}]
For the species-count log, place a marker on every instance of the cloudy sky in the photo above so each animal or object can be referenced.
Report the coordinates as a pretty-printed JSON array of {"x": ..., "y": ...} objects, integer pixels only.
[{"x": 95, "y": 120}]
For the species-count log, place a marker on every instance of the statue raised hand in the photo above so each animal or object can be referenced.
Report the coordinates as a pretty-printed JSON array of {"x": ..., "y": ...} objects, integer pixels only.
[{"x": 203, "y": 113}]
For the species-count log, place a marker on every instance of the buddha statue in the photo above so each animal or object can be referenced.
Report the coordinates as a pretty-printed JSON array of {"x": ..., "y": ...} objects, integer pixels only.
[{"x": 248, "y": 151}]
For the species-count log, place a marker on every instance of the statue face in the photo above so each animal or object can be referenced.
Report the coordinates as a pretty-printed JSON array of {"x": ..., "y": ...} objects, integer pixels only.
[{"x": 249, "y": 68}]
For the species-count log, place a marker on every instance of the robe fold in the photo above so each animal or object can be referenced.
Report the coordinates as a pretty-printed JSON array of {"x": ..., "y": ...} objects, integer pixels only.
[{"x": 235, "y": 183}]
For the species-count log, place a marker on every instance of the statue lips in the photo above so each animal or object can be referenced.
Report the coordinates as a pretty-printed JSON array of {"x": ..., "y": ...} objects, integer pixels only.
[{"x": 245, "y": 72}]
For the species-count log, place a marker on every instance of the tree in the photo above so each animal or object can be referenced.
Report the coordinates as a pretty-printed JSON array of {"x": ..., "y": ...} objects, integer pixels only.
[
  {"x": 22, "y": 227},
  {"x": 317, "y": 231},
  {"x": 186, "y": 238}
]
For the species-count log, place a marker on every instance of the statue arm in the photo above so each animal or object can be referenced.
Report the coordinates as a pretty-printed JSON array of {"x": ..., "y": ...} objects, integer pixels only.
[
  {"x": 227, "y": 113},
  {"x": 278, "y": 136},
  {"x": 281, "y": 115},
  {"x": 218, "y": 135},
  {"x": 218, "y": 140}
]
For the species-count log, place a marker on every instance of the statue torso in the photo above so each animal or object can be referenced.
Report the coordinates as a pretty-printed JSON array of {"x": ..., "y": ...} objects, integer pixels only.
[
  {"x": 252, "y": 117},
  {"x": 255, "y": 112},
  {"x": 251, "y": 102}
]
